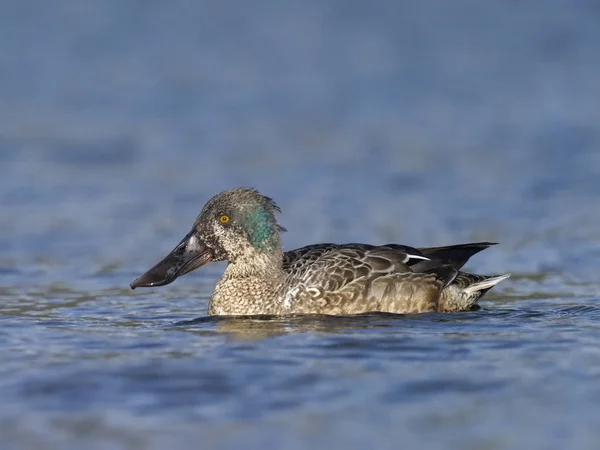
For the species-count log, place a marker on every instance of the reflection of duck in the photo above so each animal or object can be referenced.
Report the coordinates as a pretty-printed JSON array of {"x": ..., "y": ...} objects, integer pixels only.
[
  {"x": 239, "y": 226},
  {"x": 258, "y": 327}
]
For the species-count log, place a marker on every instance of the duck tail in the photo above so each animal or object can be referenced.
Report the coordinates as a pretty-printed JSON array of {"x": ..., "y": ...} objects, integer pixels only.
[
  {"x": 485, "y": 285},
  {"x": 466, "y": 290}
]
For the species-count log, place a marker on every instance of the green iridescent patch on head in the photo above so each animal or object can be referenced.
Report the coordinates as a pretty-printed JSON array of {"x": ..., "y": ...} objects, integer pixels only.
[{"x": 262, "y": 229}]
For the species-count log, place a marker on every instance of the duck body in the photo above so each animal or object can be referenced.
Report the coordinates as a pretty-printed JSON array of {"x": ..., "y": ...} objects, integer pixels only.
[{"x": 239, "y": 226}]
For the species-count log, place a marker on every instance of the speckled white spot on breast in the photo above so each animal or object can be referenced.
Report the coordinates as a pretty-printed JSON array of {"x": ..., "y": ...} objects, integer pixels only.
[{"x": 289, "y": 297}]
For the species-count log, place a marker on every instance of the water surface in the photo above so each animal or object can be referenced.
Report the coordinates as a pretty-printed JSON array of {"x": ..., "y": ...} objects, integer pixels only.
[{"x": 412, "y": 122}]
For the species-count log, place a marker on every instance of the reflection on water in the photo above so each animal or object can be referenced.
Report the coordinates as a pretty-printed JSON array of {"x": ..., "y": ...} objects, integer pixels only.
[{"x": 262, "y": 327}]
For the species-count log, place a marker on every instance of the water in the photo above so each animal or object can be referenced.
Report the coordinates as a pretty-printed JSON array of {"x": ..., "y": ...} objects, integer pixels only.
[{"x": 422, "y": 123}]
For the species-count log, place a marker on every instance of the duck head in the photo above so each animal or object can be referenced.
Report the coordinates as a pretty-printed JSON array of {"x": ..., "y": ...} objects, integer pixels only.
[{"x": 238, "y": 225}]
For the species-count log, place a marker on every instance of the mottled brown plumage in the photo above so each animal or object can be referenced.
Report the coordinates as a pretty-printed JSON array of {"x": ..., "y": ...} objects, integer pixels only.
[{"x": 317, "y": 279}]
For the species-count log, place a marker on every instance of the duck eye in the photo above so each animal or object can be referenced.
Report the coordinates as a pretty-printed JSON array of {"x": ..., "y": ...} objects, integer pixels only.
[{"x": 224, "y": 219}]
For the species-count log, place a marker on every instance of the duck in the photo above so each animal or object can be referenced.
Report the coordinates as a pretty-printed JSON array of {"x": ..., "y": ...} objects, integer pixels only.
[{"x": 239, "y": 226}]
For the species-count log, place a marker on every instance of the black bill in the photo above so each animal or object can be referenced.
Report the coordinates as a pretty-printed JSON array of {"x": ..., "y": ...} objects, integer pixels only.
[{"x": 189, "y": 254}]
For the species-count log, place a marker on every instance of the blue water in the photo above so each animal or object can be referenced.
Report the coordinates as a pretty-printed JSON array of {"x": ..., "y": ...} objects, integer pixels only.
[{"x": 418, "y": 122}]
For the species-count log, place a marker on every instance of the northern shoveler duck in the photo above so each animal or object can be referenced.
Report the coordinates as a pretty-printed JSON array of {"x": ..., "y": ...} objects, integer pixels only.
[{"x": 239, "y": 226}]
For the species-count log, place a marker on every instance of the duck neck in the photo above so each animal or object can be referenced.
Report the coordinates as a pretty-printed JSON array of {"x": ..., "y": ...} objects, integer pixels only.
[{"x": 251, "y": 285}]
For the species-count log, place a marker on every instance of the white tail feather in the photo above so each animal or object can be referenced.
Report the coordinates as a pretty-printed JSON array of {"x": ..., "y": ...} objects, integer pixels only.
[
  {"x": 485, "y": 284},
  {"x": 409, "y": 257}
]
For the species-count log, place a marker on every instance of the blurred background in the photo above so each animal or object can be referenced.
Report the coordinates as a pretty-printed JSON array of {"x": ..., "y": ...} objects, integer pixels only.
[{"x": 419, "y": 122}]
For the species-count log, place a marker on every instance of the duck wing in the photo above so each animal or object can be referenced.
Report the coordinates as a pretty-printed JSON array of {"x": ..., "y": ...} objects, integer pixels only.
[
  {"x": 355, "y": 278},
  {"x": 455, "y": 255},
  {"x": 331, "y": 266}
]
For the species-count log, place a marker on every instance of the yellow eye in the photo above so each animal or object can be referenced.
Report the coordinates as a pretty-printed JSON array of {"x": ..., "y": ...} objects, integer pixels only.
[{"x": 224, "y": 219}]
